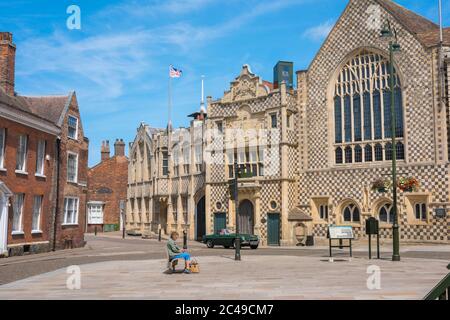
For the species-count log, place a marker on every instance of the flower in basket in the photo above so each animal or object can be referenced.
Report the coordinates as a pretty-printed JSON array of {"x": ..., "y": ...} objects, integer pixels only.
[
  {"x": 409, "y": 184},
  {"x": 381, "y": 185}
]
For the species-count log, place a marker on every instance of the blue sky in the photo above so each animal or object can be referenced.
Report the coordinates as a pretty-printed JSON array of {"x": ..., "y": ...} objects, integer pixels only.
[{"x": 118, "y": 62}]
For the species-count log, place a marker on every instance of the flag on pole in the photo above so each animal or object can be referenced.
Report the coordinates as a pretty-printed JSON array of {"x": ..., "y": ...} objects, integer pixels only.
[{"x": 174, "y": 73}]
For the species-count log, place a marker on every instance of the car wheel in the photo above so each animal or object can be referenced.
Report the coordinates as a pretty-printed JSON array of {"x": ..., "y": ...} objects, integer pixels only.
[
  {"x": 233, "y": 244},
  {"x": 254, "y": 247},
  {"x": 210, "y": 244},
  {"x": 226, "y": 247}
]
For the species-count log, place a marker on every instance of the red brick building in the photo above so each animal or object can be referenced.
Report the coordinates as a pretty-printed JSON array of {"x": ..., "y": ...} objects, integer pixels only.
[
  {"x": 27, "y": 165},
  {"x": 107, "y": 189},
  {"x": 43, "y": 167}
]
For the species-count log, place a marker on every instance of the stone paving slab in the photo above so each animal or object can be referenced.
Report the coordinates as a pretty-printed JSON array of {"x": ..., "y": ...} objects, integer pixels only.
[{"x": 221, "y": 278}]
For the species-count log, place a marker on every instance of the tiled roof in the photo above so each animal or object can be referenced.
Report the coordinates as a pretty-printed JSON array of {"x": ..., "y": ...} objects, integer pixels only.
[
  {"x": 431, "y": 38},
  {"x": 426, "y": 31},
  {"x": 48, "y": 108}
]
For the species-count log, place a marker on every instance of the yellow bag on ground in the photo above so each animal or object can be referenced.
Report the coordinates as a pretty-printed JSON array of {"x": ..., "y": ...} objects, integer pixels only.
[{"x": 194, "y": 267}]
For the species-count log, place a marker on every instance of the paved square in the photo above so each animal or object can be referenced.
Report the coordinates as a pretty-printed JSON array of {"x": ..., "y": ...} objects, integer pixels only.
[{"x": 256, "y": 277}]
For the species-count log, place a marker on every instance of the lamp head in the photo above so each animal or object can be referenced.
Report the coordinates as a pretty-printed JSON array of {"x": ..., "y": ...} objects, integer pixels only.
[
  {"x": 386, "y": 32},
  {"x": 396, "y": 47}
]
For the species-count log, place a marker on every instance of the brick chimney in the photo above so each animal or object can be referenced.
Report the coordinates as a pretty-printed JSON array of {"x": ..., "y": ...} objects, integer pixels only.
[
  {"x": 7, "y": 62},
  {"x": 119, "y": 147},
  {"x": 105, "y": 150}
]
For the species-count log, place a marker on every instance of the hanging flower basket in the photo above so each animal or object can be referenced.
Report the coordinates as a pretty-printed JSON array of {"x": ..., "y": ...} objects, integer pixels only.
[
  {"x": 409, "y": 184},
  {"x": 382, "y": 185}
]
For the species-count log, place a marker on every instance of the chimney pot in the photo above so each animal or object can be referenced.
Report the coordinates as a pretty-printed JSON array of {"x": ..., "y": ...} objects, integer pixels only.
[
  {"x": 105, "y": 150},
  {"x": 119, "y": 147}
]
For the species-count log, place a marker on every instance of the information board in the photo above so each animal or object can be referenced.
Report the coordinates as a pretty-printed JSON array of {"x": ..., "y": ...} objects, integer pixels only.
[{"x": 340, "y": 232}]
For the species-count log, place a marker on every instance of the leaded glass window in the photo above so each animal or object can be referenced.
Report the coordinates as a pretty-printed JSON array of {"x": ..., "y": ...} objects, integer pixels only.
[{"x": 362, "y": 111}]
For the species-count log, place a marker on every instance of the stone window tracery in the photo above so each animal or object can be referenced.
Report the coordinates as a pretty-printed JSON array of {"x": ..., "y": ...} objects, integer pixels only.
[{"x": 362, "y": 111}]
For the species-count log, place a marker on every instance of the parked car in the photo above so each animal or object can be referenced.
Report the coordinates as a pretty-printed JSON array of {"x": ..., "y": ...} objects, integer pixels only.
[{"x": 227, "y": 239}]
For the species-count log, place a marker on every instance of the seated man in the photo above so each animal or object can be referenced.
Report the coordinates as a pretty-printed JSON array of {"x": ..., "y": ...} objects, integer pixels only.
[{"x": 176, "y": 253}]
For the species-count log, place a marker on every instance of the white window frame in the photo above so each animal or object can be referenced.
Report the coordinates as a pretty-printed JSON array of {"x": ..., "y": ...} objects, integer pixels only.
[
  {"x": 23, "y": 169},
  {"x": 76, "y": 166},
  {"x": 18, "y": 229},
  {"x": 76, "y": 128},
  {"x": 95, "y": 205},
  {"x": 40, "y": 157},
  {"x": 2, "y": 147},
  {"x": 74, "y": 220},
  {"x": 37, "y": 214}
]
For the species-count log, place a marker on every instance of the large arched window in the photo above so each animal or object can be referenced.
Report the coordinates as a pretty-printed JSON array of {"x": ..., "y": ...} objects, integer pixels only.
[{"x": 362, "y": 111}]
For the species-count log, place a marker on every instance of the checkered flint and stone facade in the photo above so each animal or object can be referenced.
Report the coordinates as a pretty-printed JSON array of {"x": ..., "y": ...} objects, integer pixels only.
[
  {"x": 325, "y": 182},
  {"x": 309, "y": 156}
]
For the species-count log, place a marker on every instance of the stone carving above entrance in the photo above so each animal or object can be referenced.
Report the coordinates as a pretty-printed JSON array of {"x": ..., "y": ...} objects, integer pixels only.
[{"x": 246, "y": 86}]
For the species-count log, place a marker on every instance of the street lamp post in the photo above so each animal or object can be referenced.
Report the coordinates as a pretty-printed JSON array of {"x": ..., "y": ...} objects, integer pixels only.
[
  {"x": 391, "y": 33},
  {"x": 237, "y": 241}
]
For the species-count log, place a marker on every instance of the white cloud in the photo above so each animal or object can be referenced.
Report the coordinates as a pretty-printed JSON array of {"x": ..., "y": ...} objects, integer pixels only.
[
  {"x": 110, "y": 64},
  {"x": 103, "y": 62},
  {"x": 319, "y": 32}
]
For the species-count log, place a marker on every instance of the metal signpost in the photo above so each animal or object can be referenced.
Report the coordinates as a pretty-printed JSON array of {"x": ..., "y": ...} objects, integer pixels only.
[
  {"x": 122, "y": 212},
  {"x": 237, "y": 243}
]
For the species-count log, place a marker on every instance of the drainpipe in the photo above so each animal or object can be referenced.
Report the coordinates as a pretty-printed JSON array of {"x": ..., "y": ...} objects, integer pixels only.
[{"x": 58, "y": 165}]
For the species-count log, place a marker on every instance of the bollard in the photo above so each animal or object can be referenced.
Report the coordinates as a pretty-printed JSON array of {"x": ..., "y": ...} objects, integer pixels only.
[
  {"x": 159, "y": 235},
  {"x": 184, "y": 239},
  {"x": 95, "y": 230}
]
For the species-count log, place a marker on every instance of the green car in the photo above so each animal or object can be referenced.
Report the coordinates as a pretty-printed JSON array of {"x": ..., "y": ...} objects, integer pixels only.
[{"x": 225, "y": 238}]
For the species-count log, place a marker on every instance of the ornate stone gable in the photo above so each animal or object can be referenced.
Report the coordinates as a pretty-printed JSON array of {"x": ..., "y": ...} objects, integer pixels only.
[{"x": 246, "y": 86}]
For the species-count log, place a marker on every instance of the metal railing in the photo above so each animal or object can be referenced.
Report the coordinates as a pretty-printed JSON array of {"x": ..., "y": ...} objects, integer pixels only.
[{"x": 441, "y": 291}]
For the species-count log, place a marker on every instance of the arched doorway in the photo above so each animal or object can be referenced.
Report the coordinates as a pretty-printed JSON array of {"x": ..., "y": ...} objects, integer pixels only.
[
  {"x": 246, "y": 217},
  {"x": 200, "y": 219}
]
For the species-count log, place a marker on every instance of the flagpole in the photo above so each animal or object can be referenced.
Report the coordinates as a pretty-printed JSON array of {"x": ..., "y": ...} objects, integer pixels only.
[{"x": 169, "y": 125}]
